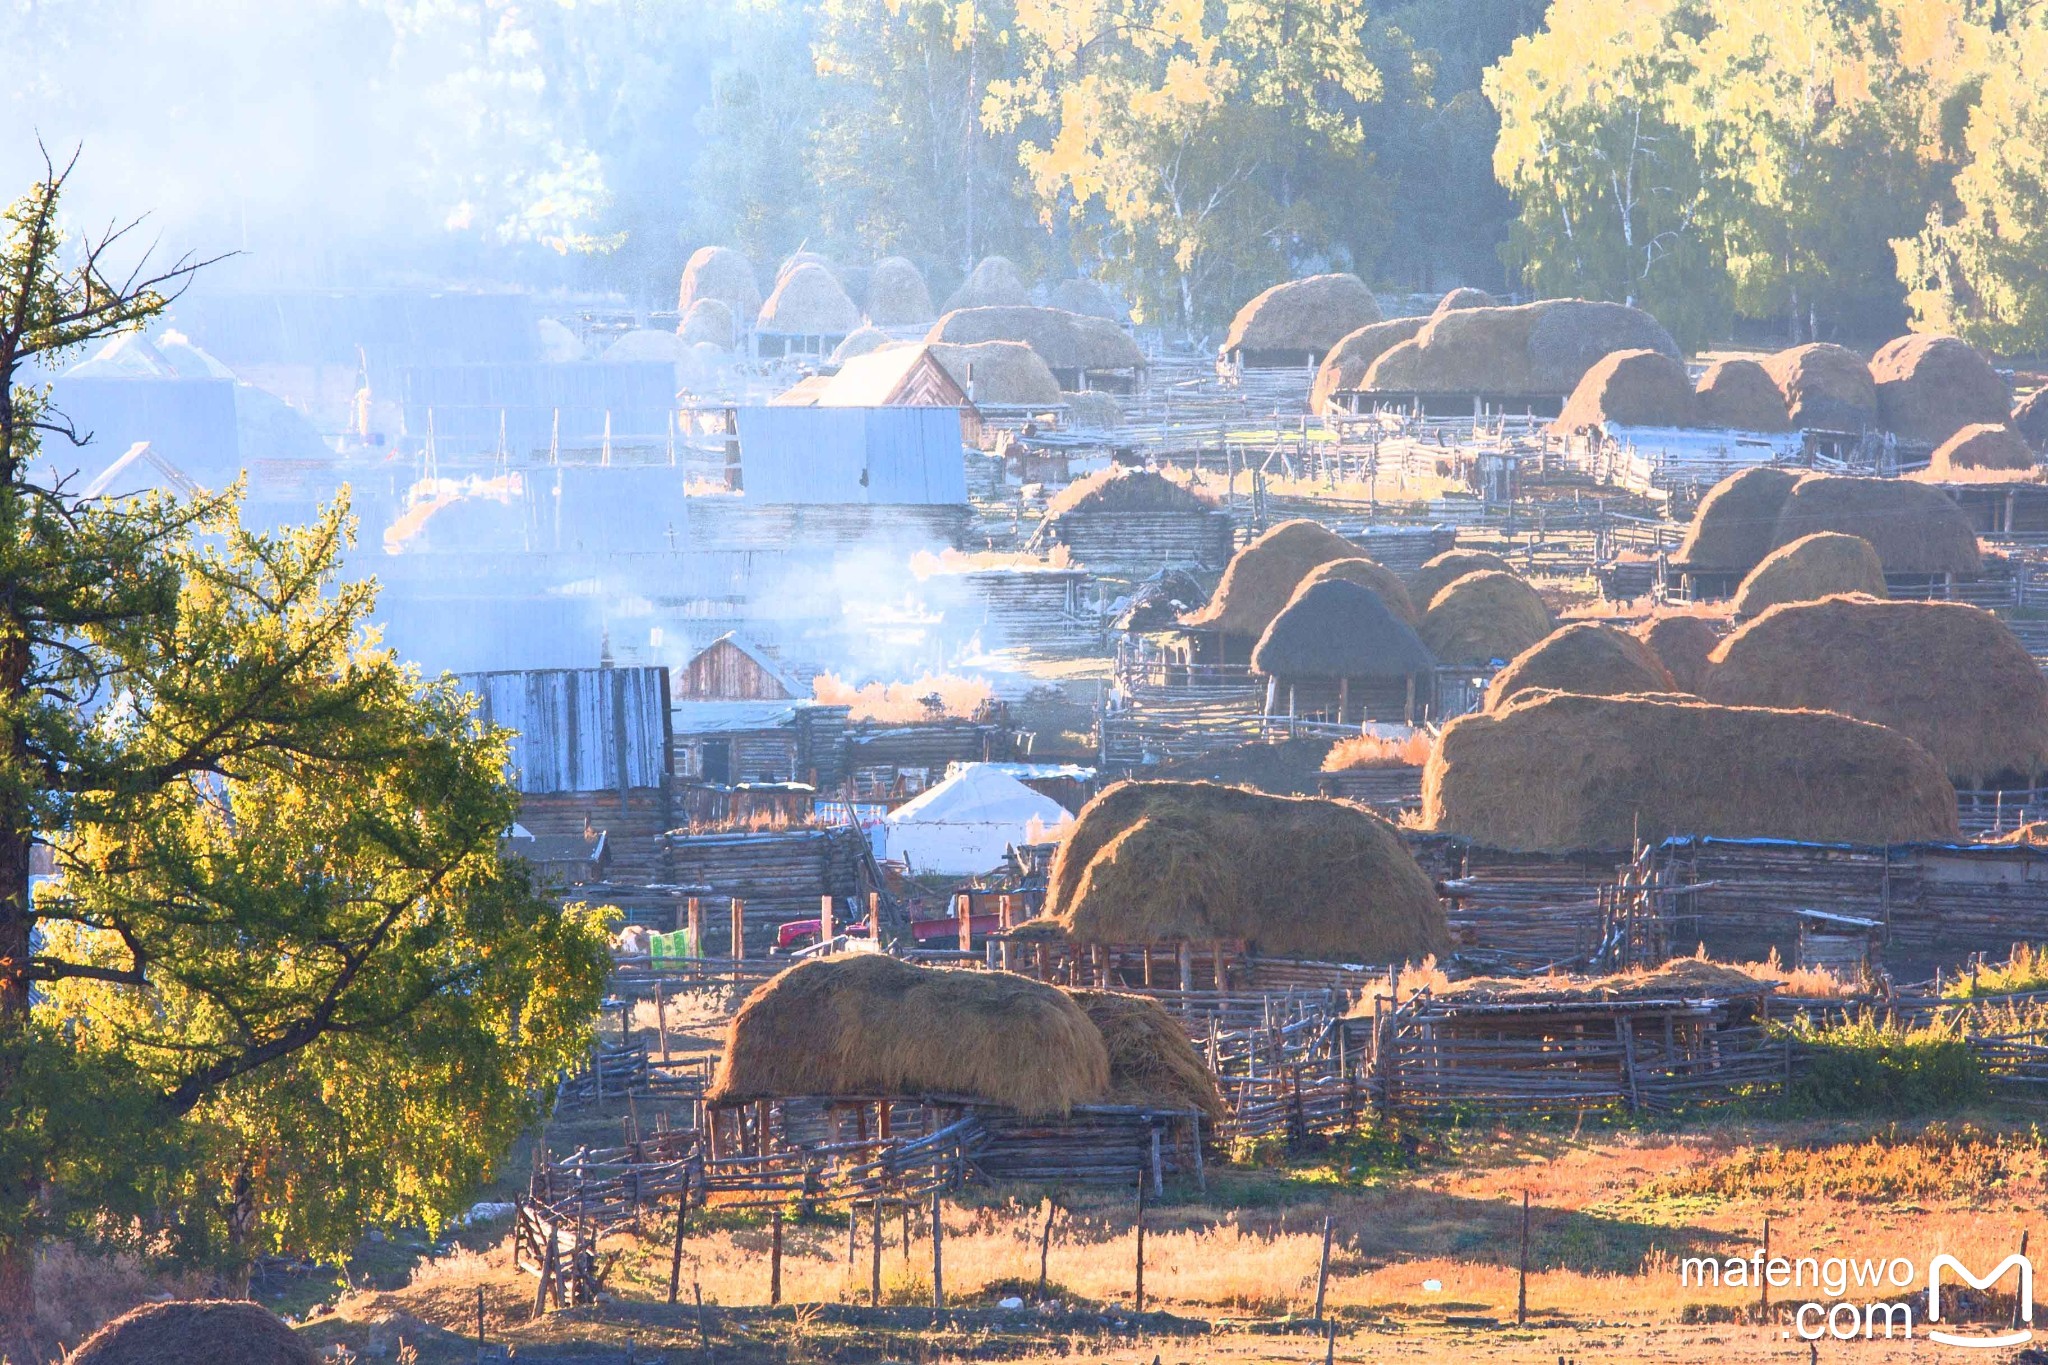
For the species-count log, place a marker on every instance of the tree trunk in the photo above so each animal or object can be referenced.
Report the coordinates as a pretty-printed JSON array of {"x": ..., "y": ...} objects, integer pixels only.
[{"x": 20, "y": 1186}]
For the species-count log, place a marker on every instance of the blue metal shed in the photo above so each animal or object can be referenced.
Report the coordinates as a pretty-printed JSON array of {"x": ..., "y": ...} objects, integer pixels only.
[{"x": 892, "y": 455}]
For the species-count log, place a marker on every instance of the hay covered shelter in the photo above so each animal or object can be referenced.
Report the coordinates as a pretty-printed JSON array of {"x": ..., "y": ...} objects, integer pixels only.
[
  {"x": 897, "y": 296},
  {"x": 1299, "y": 321},
  {"x": 1638, "y": 388},
  {"x": 1344, "y": 368},
  {"x": 195, "y": 1332},
  {"x": 1152, "y": 1063},
  {"x": 1482, "y": 617},
  {"x": 1368, "y": 573},
  {"x": 1586, "y": 658},
  {"x": 809, "y": 310},
  {"x": 993, "y": 283},
  {"x": 1951, "y": 676},
  {"x": 1292, "y": 877},
  {"x": 1465, "y": 296},
  {"x": 1080, "y": 351},
  {"x": 1681, "y": 642},
  {"x": 1554, "y": 772},
  {"x": 1917, "y": 531},
  {"x": 1339, "y": 647},
  {"x": 1983, "y": 452},
  {"x": 1930, "y": 386},
  {"x": 1824, "y": 386},
  {"x": 1532, "y": 353},
  {"x": 1438, "y": 571},
  {"x": 1135, "y": 518},
  {"x": 1739, "y": 395},
  {"x": 1812, "y": 567},
  {"x": 709, "y": 320},
  {"x": 1260, "y": 580},
  {"x": 719, "y": 272},
  {"x": 1735, "y": 525},
  {"x": 1087, "y": 298},
  {"x": 999, "y": 374}
]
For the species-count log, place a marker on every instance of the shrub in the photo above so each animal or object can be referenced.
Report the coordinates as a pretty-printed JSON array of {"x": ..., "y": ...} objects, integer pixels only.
[{"x": 1871, "y": 1066}]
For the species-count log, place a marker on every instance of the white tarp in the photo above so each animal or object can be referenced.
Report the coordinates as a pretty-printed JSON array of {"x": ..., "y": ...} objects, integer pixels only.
[{"x": 961, "y": 826}]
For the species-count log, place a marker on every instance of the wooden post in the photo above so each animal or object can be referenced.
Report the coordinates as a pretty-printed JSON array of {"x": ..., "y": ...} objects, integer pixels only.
[
  {"x": 938, "y": 1253},
  {"x": 661, "y": 1017},
  {"x": 1323, "y": 1268},
  {"x": 1222, "y": 982},
  {"x": 479, "y": 1315},
  {"x": 703, "y": 1332},
  {"x": 775, "y": 1258},
  {"x": 2021, "y": 1309},
  {"x": 1343, "y": 699},
  {"x": 739, "y": 935},
  {"x": 1158, "y": 1167},
  {"x": 1187, "y": 969},
  {"x": 1045, "y": 1245},
  {"x": 1764, "y": 1280},
  {"x": 547, "y": 1273},
  {"x": 1522, "y": 1278},
  {"x": 825, "y": 934},
  {"x": 965, "y": 906},
  {"x": 675, "y": 1257},
  {"x": 695, "y": 910},
  {"x": 875, "y": 1252},
  {"x": 1140, "y": 1287},
  {"x": 852, "y": 1223}
]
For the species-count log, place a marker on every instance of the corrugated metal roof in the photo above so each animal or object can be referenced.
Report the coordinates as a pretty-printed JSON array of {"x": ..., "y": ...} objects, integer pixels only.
[
  {"x": 903, "y": 455},
  {"x": 580, "y": 729}
]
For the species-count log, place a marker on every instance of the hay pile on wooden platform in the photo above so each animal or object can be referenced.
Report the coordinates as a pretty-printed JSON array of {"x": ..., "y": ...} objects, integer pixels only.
[
  {"x": 1336, "y": 628},
  {"x": 1039, "y": 931},
  {"x": 897, "y": 296},
  {"x": 1531, "y": 349},
  {"x": 2030, "y": 419},
  {"x": 1151, "y": 1061},
  {"x": 861, "y": 341},
  {"x": 1584, "y": 657},
  {"x": 1065, "y": 341},
  {"x": 1007, "y": 373},
  {"x": 1736, "y": 524},
  {"x": 1094, "y": 410},
  {"x": 1484, "y": 616},
  {"x": 1368, "y": 573},
  {"x": 1684, "y": 978},
  {"x": 1823, "y": 564},
  {"x": 708, "y": 320},
  {"x": 1915, "y": 528},
  {"x": 1740, "y": 395},
  {"x": 1263, "y": 575},
  {"x": 1930, "y": 386},
  {"x": 1825, "y": 386},
  {"x": 1437, "y": 573},
  {"x": 1639, "y": 388},
  {"x": 1950, "y": 675},
  {"x": 1296, "y": 877},
  {"x": 868, "y": 1024},
  {"x": 1553, "y": 772},
  {"x": 1983, "y": 452},
  {"x": 1344, "y": 367},
  {"x": 799, "y": 258},
  {"x": 1087, "y": 298},
  {"x": 194, "y": 1332},
  {"x": 993, "y": 283},
  {"x": 1302, "y": 317},
  {"x": 1122, "y": 489},
  {"x": 1465, "y": 296},
  {"x": 1681, "y": 642},
  {"x": 808, "y": 301},
  {"x": 719, "y": 272}
]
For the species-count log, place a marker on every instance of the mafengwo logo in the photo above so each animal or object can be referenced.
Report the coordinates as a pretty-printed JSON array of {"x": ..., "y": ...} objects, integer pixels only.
[
  {"x": 2023, "y": 1330},
  {"x": 1845, "y": 1316}
]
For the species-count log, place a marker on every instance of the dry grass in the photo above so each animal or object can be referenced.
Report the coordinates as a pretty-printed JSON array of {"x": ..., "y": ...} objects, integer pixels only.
[
  {"x": 924, "y": 564},
  {"x": 905, "y": 702},
  {"x": 1371, "y": 751}
]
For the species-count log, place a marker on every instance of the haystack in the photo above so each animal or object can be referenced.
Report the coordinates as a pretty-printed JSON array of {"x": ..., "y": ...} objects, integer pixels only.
[
  {"x": 1003, "y": 373},
  {"x": 1553, "y": 772},
  {"x": 808, "y": 302},
  {"x": 1983, "y": 452},
  {"x": 1825, "y": 386},
  {"x": 709, "y": 320},
  {"x": 1299, "y": 877},
  {"x": 1263, "y": 575},
  {"x": 1915, "y": 529},
  {"x": 1640, "y": 388},
  {"x": 865, "y": 1024},
  {"x": 1122, "y": 489},
  {"x": 559, "y": 345},
  {"x": 1736, "y": 524},
  {"x": 1681, "y": 642},
  {"x": 1339, "y": 629},
  {"x": 1151, "y": 1061},
  {"x": 1436, "y": 574},
  {"x": 1532, "y": 349},
  {"x": 1950, "y": 675},
  {"x": 1087, "y": 298},
  {"x": 1065, "y": 341},
  {"x": 647, "y": 343},
  {"x": 993, "y": 283},
  {"x": 1368, "y": 573},
  {"x": 1740, "y": 395},
  {"x": 719, "y": 272},
  {"x": 1094, "y": 410},
  {"x": 195, "y": 1332},
  {"x": 1930, "y": 386},
  {"x": 1484, "y": 616},
  {"x": 1297, "y": 322},
  {"x": 799, "y": 258},
  {"x": 897, "y": 296},
  {"x": 1684, "y": 978},
  {"x": 1823, "y": 564},
  {"x": 1585, "y": 658},
  {"x": 1465, "y": 296},
  {"x": 2030, "y": 419},
  {"x": 859, "y": 342},
  {"x": 1344, "y": 368}
]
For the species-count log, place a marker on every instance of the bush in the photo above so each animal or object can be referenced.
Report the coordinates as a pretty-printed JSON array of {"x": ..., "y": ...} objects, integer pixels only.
[{"x": 1871, "y": 1066}]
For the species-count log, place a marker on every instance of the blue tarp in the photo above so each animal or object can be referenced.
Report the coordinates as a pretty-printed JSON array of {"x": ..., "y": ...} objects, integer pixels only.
[{"x": 895, "y": 455}]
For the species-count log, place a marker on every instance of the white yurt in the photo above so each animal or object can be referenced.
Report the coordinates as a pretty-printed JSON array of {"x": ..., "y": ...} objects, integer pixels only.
[{"x": 963, "y": 825}]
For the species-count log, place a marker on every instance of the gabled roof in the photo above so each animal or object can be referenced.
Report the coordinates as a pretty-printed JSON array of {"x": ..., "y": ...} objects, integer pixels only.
[
  {"x": 893, "y": 375},
  {"x": 763, "y": 660},
  {"x": 141, "y": 470}
]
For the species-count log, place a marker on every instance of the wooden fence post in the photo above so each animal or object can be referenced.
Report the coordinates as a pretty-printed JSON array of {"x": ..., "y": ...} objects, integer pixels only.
[
  {"x": 675, "y": 1259},
  {"x": 938, "y": 1253},
  {"x": 1323, "y": 1268},
  {"x": 1522, "y": 1277},
  {"x": 965, "y": 904},
  {"x": 824, "y": 920},
  {"x": 739, "y": 936},
  {"x": 875, "y": 1252},
  {"x": 775, "y": 1258},
  {"x": 1140, "y": 1286}
]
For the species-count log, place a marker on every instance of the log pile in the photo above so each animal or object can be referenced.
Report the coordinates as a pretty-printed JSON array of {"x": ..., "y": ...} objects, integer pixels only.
[
  {"x": 1138, "y": 543},
  {"x": 778, "y": 875}
]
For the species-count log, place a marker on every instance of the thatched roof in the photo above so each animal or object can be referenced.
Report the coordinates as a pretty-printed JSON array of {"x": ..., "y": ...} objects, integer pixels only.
[
  {"x": 1736, "y": 524},
  {"x": 1983, "y": 452},
  {"x": 1532, "y": 348},
  {"x": 1484, "y": 616},
  {"x": 868, "y": 1024},
  {"x": 1640, "y": 388},
  {"x": 1740, "y": 395},
  {"x": 1087, "y": 298},
  {"x": 1151, "y": 1061},
  {"x": 195, "y": 1332},
  {"x": 2030, "y": 419},
  {"x": 1586, "y": 658},
  {"x": 1307, "y": 316},
  {"x": 1066, "y": 341},
  {"x": 1950, "y": 675},
  {"x": 1554, "y": 772},
  {"x": 1006, "y": 373},
  {"x": 1368, "y": 573},
  {"x": 1914, "y": 528},
  {"x": 1681, "y": 642},
  {"x": 1930, "y": 386},
  {"x": 859, "y": 342},
  {"x": 1435, "y": 574},
  {"x": 1300, "y": 877},
  {"x": 1465, "y": 296},
  {"x": 993, "y": 283},
  {"x": 1810, "y": 568},
  {"x": 709, "y": 320},
  {"x": 1262, "y": 576},
  {"x": 1343, "y": 369},
  {"x": 1122, "y": 489},
  {"x": 897, "y": 296},
  {"x": 808, "y": 302},
  {"x": 1825, "y": 386},
  {"x": 1339, "y": 629},
  {"x": 719, "y": 272}
]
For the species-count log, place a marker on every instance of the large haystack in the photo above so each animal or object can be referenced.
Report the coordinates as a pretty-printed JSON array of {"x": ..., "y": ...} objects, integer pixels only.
[
  {"x": 1151, "y": 1061},
  {"x": 1484, "y": 616},
  {"x": 1000, "y": 373},
  {"x": 1297, "y": 323},
  {"x": 1740, "y": 395},
  {"x": 1823, "y": 564},
  {"x": 1736, "y": 524},
  {"x": 1344, "y": 368},
  {"x": 1950, "y": 675},
  {"x": 1337, "y": 629},
  {"x": 1437, "y": 573},
  {"x": 993, "y": 283},
  {"x": 1532, "y": 349},
  {"x": 1915, "y": 529},
  {"x": 1465, "y": 296},
  {"x": 1681, "y": 642},
  {"x": 1087, "y": 298},
  {"x": 1929, "y": 387},
  {"x": 1263, "y": 575},
  {"x": 1554, "y": 772},
  {"x": 897, "y": 296},
  {"x": 1065, "y": 341},
  {"x": 1368, "y": 573},
  {"x": 1640, "y": 388},
  {"x": 1585, "y": 658},
  {"x": 719, "y": 272},
  {"x": 2030, "y": 419},
  {"x": 1983, "y": 452},
  {"x": 1123, "y": 489},
  {"x": 647, "y": 343},
  {"x": 808, "y": 301},
  {"x": 709, "y": 320},
  {"x": 1296, "y": 877},
  {"x": 1824, "y": 386},
  {"x": 859, "y": 342},
  {"x": 864, "y": 1024},
  {"x": 195, "y": 1332},
  {"x": 799, "y": 258}
]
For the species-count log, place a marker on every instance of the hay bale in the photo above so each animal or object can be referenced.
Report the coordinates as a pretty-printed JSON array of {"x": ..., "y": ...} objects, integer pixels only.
[
  {"x": 1465, "y": 296},
  {"x": 1552, "y": 772},
  {"x": 1122, "y": 489},
  {"x": 1151, "y": 1061},
  {"x": 1931, "y": 386},
  {"x": 709, "y": 320},
  {"x": 1301, "y": 318},
  {"x": 897, "y": 296},
  {"x": 1484, "y": 616},
  {"x": 993, "y": 283},
  {"x": 1344, "y": 368},
  {"x": 859, "y": 342},
  {"x": 719, "y": 272},
  {"x": 1681, "y": 642},
  {"x": 1089, "y": 299},
  {"x": 1640, "y": 388},
  {"x": 1435, "y": 574},
  {"x": 559, "y": 345},
  {"x": 1262, "y": 577},
  {"x": 1950, "y": 675},
  {"x": 1736, "y": 524},
  {"x": 1301, "y": 877},
  {"x": 1585, "y": 658},
  {"x": 1530, "y": 349},
  {"x": 1066, "y": 341},
  {"x": 2030, "y": 419},
  {"x": 1983, "y": 452},
  {"x": 1739, "y": 395},
  {"x": 1005, "y": 373},
  {"x": 1823, "y": 564},
  {"x": 1368, "y": 573},
  {"x": 1825, "y": 386},
  {"x": 808, "y": 301},
  {"x": 867, "y": 1024},
  {"x": 1914, "y": 528},
  {"x": 1335, "y": 629},
  {"x": 194, "y": 1332}
]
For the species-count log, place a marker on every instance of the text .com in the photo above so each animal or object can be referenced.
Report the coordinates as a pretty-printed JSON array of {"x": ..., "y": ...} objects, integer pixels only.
[{"x": 1874, "y": 1298}]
